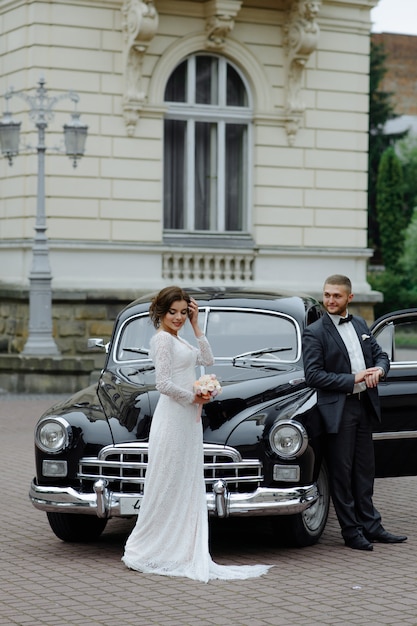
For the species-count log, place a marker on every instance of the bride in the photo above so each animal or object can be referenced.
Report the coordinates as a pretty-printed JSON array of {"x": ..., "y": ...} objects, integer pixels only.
[{"x": 171, "y": 533}]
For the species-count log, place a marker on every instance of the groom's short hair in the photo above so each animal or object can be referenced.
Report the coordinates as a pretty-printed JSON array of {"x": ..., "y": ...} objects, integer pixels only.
[{"x": 339, "y": 279}]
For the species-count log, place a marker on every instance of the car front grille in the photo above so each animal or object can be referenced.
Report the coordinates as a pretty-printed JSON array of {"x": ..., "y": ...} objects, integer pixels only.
[{"x": 123, "y": 466}]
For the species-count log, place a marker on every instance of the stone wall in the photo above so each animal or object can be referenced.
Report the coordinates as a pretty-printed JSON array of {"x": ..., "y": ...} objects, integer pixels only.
[
  {"x": 76, "y": 318},
  {"x": 46, "y": 374}
]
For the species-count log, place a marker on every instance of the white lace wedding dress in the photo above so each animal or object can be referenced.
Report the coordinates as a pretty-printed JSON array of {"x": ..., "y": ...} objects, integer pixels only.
[{"x": 171, "y": 533}]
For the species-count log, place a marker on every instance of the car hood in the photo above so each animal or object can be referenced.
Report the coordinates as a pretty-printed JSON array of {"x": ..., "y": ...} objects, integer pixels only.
[{"x": 129, "y": 397}]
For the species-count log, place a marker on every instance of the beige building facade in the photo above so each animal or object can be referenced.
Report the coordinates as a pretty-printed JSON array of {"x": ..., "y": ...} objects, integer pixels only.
[{"x": 227, "y": 143}]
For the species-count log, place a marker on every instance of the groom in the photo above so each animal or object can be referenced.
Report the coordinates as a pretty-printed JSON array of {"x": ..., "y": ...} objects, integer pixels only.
[{"x": 344, "y": 363}]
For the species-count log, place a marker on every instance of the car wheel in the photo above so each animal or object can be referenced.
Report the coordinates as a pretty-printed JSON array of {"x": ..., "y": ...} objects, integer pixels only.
[
  {"x": 76, "y": 528},
  {"x": 306, "y": 528}
]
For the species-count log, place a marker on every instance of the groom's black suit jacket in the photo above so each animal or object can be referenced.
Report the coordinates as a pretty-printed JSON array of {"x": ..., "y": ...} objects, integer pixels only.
[{"x": 328, "y": 369}]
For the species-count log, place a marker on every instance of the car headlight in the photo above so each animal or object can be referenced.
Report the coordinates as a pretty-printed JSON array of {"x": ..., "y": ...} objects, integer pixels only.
[
  {"x": 288, "y": 439},
  {"x": 53, "y": 434}
]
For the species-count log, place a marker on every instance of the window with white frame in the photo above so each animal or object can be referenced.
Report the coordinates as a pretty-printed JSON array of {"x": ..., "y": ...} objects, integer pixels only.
[{"x": 206, "y": 147}]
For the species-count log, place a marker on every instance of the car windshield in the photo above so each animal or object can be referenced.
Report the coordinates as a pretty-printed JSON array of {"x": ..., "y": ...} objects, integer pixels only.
[{"x": 231, "y": 332}]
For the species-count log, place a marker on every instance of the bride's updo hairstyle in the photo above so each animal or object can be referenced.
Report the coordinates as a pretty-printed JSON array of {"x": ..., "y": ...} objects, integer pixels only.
[{"x": 162, "y": 302}]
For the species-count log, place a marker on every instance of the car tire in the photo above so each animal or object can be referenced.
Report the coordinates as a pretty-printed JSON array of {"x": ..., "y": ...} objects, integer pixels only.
[
  {"x": 306, "y": 528},
  {"x": 75, "y": 528}
]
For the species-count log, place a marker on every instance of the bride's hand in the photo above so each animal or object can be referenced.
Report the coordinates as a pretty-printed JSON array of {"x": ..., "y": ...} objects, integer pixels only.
[
  {"x": 193, "y": 313},
  {"x": 201, "y": 400}
]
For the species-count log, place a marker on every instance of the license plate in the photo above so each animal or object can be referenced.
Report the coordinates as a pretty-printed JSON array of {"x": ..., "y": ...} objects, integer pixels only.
[{"x": 129, "y": 505}]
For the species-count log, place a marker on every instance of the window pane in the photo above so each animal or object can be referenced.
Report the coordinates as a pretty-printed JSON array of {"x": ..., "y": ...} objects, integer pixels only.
[
  {"x": 206, "y": 80},
  {"x": 197, "y": 195},
  {"x": 236, "y": 92},
  {"x": 406, "y": 341},
  {"x": 176, "y": 87},
  {"x": 236, "y": 153},
  {"x": 174, "y": 174},
  {"x": 235, "y": 332},
  {"x": 205, "y": 176},
  {"x": 230, "y": 333},
  {"x": 135, "y": 334}
]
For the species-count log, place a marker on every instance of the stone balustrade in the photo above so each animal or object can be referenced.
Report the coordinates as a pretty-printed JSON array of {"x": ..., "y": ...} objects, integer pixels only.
[{"x": 205, "y": 267}]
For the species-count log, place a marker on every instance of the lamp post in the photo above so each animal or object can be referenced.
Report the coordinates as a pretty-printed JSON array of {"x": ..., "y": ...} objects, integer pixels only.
[{"x": 40, "y": 340}]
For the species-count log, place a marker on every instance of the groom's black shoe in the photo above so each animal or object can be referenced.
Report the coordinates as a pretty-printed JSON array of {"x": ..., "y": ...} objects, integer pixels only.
[
  {"x": 358, "y": 542},
  {"x": 383, "y": 536}
]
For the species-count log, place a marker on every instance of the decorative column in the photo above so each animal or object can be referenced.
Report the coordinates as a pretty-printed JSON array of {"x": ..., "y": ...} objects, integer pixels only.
[
  {"x": 301, "y": 36},
  {"x": 139, "y": 24},
  {"x": 220, "y": 16}
]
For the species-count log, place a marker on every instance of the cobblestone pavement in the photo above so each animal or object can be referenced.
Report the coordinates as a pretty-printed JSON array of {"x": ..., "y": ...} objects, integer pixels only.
[{"x": 44, "y": 581}]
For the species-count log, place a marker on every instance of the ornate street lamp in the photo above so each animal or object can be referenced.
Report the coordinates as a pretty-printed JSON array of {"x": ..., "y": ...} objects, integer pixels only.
[{"x": 40, "y": 340}]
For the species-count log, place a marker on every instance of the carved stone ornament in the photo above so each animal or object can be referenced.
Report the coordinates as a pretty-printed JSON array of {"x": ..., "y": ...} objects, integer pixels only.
[
  {"x": 220, "y": 16},
  {"x": 301, "y": 36},
  {"x": 139, "y": 24}
]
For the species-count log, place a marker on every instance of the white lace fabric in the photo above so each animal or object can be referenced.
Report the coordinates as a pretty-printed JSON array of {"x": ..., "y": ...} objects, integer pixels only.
[
  {"x": 171, "y": 533},
  {"x": 163, "y": 354}
]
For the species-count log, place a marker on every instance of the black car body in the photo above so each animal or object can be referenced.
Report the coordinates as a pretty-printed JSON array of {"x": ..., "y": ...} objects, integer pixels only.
[{"x": 262, "y": 435}]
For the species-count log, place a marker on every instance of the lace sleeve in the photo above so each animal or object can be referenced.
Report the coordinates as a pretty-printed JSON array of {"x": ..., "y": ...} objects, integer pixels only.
[
  {"x": 205, "y": 355},
  {"x": 162, "y": 356}
]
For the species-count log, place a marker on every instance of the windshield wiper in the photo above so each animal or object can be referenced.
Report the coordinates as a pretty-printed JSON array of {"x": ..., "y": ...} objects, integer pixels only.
[
  {"x": 259, "y": 352},
  {"x": 136, "y": 350},
  {"x": 140, "y": 370}
]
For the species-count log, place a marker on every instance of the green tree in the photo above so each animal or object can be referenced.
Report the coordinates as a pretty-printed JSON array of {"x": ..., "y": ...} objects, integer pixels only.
[
  {"x": 393, "y": 285},
  {"x": 407, "y": 151},
  {"x": 390, "y": 208},
  {"x": 380, "y": 110},
  {"x": 409, "y": 256}
]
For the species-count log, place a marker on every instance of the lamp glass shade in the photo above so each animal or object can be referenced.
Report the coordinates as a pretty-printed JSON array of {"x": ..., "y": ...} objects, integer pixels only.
[
  {"x": 9, "y": 135},
  {"x": 75, "y": 135}
]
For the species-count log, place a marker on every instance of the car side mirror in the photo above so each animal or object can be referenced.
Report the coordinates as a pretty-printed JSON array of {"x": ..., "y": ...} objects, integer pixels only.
[{"x": 97, "y": 342}]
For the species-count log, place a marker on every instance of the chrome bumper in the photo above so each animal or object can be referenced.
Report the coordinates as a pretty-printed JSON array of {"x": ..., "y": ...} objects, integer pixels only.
[{"x": 105, "y": 503}]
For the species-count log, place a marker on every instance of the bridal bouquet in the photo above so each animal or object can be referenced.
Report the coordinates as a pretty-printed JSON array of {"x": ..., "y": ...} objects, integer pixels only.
[{"x": 207, "y": 386}]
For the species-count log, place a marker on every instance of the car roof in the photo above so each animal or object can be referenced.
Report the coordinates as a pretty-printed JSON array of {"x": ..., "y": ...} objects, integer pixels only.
[{"x": 291, "y": 303}]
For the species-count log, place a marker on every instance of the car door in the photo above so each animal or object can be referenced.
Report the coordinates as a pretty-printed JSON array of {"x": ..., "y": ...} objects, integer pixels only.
[{"x": 395, "y": 439}]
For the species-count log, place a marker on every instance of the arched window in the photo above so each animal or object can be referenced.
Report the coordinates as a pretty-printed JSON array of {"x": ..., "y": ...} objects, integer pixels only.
[{"x": 206, "y": 147}]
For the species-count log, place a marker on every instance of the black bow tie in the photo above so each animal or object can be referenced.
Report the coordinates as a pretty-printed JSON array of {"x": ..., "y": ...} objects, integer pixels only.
[{"x": 343, "y": 320}]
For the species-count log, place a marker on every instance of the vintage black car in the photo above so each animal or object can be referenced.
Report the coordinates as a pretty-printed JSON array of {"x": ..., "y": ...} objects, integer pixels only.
[{"x": 262, "y": 435}]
